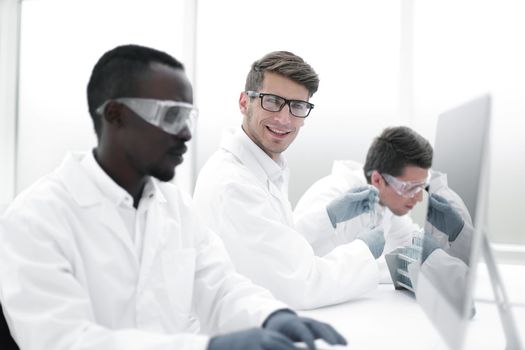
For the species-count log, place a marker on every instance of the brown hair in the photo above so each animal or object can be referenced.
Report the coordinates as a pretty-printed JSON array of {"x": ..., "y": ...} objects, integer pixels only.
[
  {"x": 286, "y": 64},
  {"x": 396, "y": 148}
]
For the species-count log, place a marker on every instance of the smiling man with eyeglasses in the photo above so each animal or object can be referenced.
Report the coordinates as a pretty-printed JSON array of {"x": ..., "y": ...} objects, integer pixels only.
[{"x": 242, "y": 193}]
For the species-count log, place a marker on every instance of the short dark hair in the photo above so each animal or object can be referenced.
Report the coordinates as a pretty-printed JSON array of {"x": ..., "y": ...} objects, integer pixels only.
[
  {"x": 396, "y": 148},
  {"x": 286, "y": 64},
  {"x": 116, "y": 74}
]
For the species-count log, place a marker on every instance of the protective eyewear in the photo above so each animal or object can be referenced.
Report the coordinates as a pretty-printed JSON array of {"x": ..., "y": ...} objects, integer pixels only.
[
  {"x": 170, "y": 116},
  {"x": 274, "y": 103},
  {"x": 407, "y": 189}
]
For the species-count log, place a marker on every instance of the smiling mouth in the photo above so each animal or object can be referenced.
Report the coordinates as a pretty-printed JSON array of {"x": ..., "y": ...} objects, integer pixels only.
[{"x": 279, "y": 133}]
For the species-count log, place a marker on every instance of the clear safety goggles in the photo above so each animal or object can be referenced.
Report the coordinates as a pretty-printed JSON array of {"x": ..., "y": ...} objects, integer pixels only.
[
  {"x": 407, "y": 189},
  {"x": 170, "y": 116}
]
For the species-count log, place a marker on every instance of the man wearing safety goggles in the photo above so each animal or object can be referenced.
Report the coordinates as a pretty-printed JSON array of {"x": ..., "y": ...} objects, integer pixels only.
[
  {"x": 335, "y": 209},
  {"x": 109, "y": 255}
]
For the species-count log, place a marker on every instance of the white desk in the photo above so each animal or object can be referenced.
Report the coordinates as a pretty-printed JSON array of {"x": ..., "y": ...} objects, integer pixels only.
[{"x": 391, "y": 319}]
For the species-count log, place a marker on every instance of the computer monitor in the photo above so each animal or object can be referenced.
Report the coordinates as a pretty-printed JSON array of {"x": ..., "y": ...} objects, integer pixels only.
[
  {"x": 444, "y": 283},
  {"x": 461, "y": 147}
]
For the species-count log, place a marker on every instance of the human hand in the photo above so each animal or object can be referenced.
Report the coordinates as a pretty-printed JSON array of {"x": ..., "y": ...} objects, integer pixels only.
[
  {"x": 444, "y": 217},
  {"x": 352, "y": 203},
  {"x": 254, "y": 338},
  {"x": 375, "y": 240},
  {"x": 302, "y": 329}
]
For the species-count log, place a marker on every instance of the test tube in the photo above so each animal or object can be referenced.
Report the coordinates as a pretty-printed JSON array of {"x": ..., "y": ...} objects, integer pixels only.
[{"x": 372, "y": 222}]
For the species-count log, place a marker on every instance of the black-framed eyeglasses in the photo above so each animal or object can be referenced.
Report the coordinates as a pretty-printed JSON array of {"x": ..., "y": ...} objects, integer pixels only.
[{"x": 274, "y": 103}]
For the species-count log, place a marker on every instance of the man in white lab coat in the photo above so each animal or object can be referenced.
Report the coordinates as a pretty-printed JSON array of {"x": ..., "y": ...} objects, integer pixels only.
[
  {"x": 397, "y": 169},
  {"x": 103, "y": 253},
  {"x": 242, "y": 193}
]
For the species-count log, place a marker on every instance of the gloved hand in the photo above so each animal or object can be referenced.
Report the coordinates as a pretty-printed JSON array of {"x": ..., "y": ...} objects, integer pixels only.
[
  {"x": 302, "y": 329},
  {"x": 254, "y": 338},
  {"x": 375, "y": 240},
  {"x": 442, "y": 216},
  {"x": 352, "y": 203},
  {"x": 430, "y": 243}
]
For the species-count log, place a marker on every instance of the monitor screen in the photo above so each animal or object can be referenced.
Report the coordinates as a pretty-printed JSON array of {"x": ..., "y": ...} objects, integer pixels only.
[{"x": 443, "y": 283}]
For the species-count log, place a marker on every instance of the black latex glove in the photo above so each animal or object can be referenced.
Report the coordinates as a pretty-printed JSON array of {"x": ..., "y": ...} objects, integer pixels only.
[
  {"x": 444, "y": 217},
  {"x": 375, "y": 240},
  {"x": 430, "y": 243},
  {"x": 252, "y": 339},
  {"x": 302, "y": 329}
]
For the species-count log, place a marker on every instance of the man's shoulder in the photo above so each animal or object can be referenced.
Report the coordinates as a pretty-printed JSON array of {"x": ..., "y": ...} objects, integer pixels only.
[
  {"x": 224, "y": 166},
  {"x": 338, "y": 181},
  {"x": 46, "y": 194},
  {"x": 224, "y": 177},
  {"x": 55, "y": 193},
  {"x": 348, "y": 169}
]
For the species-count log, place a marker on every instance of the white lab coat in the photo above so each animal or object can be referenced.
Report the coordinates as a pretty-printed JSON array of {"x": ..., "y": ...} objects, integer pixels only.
[
  {"x": 70, "y": 277},
  {"x": 237, "y": 199},
  {"x": 311, "y": 218}
]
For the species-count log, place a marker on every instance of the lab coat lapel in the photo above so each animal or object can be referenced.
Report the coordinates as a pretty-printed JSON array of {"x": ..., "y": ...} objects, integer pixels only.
[
  {"x": 232, "y": 143},
  {"x": 283, "y": 200},
  {"x": 106, "y": 213},
  {"x": 158, "y": 228},
  {"x": 95, "y": 204}
]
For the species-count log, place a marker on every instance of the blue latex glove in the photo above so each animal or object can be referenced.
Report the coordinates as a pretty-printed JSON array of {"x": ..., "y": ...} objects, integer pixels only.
[
  {"x": 302, "y": 329},
  {"x": 352, "y": 203},
  {"x": 375, "y": 240},
  {"x": 254, "y": 338},
  {"x": 442, "y": 216},
  {"x": 430, "y": 243}
]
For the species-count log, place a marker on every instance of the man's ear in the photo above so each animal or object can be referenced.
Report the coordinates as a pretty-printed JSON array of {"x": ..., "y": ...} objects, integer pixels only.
[
  {"x": 243, "y": 103},
  {"x": 113, "y": 113},
  {"x": 376, "y": 179}
]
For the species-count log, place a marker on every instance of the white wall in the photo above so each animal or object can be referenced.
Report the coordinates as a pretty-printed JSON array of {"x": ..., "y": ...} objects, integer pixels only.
[
  {"x": 61, "y": 40},
  {"x": 465, "y": 48},
  {"x": 377, "y": 67}
]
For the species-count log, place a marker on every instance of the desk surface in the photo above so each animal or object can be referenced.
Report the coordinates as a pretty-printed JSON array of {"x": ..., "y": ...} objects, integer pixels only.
[{"x": 392, "y": 319}]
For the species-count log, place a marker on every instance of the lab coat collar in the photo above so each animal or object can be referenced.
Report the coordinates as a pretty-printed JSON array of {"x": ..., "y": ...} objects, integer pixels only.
[
  {"x": 77, "y": 181},
  {"x": 237, "y": 142},
  {"x": 89, "y": 184},
  {"x": 105, "y": 184},
  {"x": 82, "y": 186}
]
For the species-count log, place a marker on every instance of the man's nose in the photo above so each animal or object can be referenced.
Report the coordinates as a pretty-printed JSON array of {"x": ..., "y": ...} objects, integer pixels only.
[
  {"x": 184, "y": 135},
  {"x": 284, "y": 116}
]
